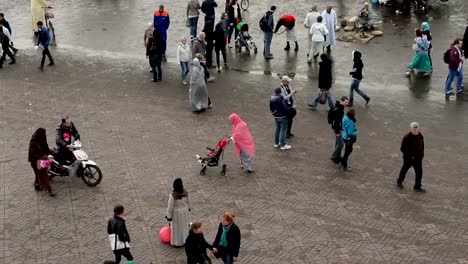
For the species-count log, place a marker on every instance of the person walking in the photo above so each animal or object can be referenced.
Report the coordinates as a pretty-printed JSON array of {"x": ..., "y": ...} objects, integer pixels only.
[
  {"x": 310, "y": 19},
  {"x": 288, "y": 94},
  {"x": 289, "y": 22},
  {"x": 325, "y": 82},
  {"x": 335, "y": 119},
  {"x": 426, "y": 31},
  {"x": 44, "y": 40},
  {"x": 319, "y": 32},
  {"x": 208, "y": 7},
  {"x": 455, "y": 67},
  {"x": 193, "y": 12},
  {"x": 420, "y": 60},
  {"x": 184, "y": 56},
  {"x": 227, "y": 242},
  {"x": 235, "y": 16},
  {"x": 279, "y": 110},
  {"x": 116, "y": 226},
  {"x": 349, "y": 137},
  {"x": 209, "y": 39},
  {"x": 37, "y": 13},
  {"x": 267, "y": 24},
  {"x": 220, "y": 42},
  {"x": 198, "y": 92},
  {"x": 154, "y": 52},
  {"x": 5, "y": 40},
  {"x": 243, "y": 141},
  {"x": 330, "y": 20},
  {"x": 196, "y": 245},
  {"x": 161, "y": 22},
  {"x": 39, "y": 150},
  {"x": 6, "y": 24},
  {"x": 412, "y": 147},
  {"x": 178, "y": 208},
  {"x": 356, "y": 73}
]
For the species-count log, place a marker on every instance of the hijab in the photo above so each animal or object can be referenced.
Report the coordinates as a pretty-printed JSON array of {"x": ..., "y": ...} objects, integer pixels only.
[
  {"x": 178, "y": 191},
  {"x": 425, "y": 26},
  {"x": 242, "y": 136},
  {"x": 38, "y": 146}
]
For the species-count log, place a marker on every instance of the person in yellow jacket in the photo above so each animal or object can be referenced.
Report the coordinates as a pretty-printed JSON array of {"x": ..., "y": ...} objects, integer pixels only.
[{"x": 37, "y": 13}]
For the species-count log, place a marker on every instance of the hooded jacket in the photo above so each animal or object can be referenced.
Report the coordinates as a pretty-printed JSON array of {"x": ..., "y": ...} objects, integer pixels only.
[
  {"x": 325, "y": 73},
  {"x": 192, "y": 8},
  {"x": 357, "y": 66}
]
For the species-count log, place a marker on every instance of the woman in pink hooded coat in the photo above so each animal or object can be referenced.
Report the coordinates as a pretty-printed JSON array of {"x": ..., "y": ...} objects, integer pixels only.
[{"x": 243, "y": 141}]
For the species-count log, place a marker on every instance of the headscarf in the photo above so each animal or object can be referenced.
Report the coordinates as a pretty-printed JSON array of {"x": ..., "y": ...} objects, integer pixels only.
[
  {"x": 425, "y": 26},
  {"x": 39, "y": 138},
  {"x": 196, "y": 63},
  {"x": 241, "y": 135},
  {"x": 178, "y": 189}
]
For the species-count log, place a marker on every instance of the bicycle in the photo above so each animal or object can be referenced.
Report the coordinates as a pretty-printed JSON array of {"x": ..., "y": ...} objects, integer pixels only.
[
  {"x": 244, "y": 4},
  {"x": 48, "y": 14}
]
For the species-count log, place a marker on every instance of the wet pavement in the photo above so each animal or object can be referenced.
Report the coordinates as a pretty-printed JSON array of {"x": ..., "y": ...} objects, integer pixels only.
[{"x": 298, "y": 208}]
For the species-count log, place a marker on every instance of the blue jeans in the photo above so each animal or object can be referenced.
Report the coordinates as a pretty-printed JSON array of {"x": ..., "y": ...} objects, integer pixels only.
[
  {"x": 280, "y": 131},
  {"x": 193, "y": 26},
  {"x": 355, "y": 87},
  {"x": 338, "y": 147},
  {"x": 451, "y": 76},
  {"x": 155, "y": 63},
  {"x": 267, "y": 38},
  {"x": 184, "y": 70},
  {"x": 329, "y": 99},
  {"x": 228, "y": 259}
]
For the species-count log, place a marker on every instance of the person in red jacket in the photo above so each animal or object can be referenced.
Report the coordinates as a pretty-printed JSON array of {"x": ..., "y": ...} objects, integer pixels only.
[
  {"x": 455, "y": 67},
  {"x": 288, "y": 21}
]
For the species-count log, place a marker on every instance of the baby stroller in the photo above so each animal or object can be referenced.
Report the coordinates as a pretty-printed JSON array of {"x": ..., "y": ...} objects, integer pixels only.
[
  {"x": 244, "y": 39},
  {"x": 215, "y": 157}
]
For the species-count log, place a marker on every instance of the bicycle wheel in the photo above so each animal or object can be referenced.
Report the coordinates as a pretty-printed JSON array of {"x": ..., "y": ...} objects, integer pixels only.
[{"x": 245, "y": 5}]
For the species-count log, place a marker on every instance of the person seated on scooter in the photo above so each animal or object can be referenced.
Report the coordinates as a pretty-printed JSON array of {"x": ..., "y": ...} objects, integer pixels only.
[
  {"x": 64, "y": 147},
  {"x": 365, "y": 18}
]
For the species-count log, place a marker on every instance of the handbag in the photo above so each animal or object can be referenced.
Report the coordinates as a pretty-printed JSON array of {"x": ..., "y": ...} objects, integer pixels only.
[
  {"x": 187, "y": 22},
  {"x": 116, "y": 244},
  {"x": 323, "y": 97}
]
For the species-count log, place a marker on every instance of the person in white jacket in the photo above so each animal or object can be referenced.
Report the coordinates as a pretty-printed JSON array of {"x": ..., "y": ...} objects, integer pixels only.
[
  {"x": 310, "y": 19},
  {"x": 184, "y": 56},
  {"x": 319, "y": 33}
]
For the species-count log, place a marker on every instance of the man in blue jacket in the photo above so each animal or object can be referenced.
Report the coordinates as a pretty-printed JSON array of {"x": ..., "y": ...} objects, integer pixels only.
[
  {"x": 43, "y": 38},
  {"x": 161, "y": 23},
  {"x": 279, "y": 110},
  {"x": 267, "y": 25},
  {"x": 5, "y": 23}
]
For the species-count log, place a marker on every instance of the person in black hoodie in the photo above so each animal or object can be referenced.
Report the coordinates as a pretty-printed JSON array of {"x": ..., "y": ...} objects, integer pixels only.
[
  {"x": 116, "y": 225},
  {"x": 227, "y": 242},
  {"x": 335, "y": 118},
  {"x": 196, "y": 245},
  {"x": 324, "y": 82},
  {"x": 412, "y": 147},
  {"x": 220, "y": 42},
  {"x": 155, "y": 51},
  {"x": 356, "y": 73}
]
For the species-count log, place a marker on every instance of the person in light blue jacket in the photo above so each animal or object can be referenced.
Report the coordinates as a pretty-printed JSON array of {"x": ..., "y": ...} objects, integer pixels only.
[{"x": 349, "y": 137}]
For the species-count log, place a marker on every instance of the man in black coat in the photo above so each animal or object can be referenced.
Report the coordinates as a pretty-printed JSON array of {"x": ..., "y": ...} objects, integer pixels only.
[
  {"x": 208, "y": 7},
  {"x": 412, "y": 147},
  {"x": 465, "y": 42}
]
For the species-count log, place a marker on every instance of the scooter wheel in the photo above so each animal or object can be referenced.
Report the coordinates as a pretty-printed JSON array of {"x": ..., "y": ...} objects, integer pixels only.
[{"x": 92, "y": 175}]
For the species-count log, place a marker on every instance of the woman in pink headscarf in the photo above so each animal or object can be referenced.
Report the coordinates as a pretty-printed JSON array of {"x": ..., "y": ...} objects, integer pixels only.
[{"x": 242, "y": 139}]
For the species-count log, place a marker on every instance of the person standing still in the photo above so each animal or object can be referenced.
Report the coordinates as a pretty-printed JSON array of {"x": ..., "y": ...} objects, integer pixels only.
[
  {"x": 310, "y": 19},
  {"x": 162, "y": 22},
  {"x": 192, "y": 15},
  {"x": 227, "y": 242},
  {"x": 267, "y": 24},
  {"x": 349, "y": 137},
  {"x": 330, "y": 20},
  {"x": 178, "y": 208},
  {"x": 335, "y": 118},
  {"x": 412, "y": 147},
  {"x": 234, "y": 16},
  {"x": 279, "y": 110},
  {"x": 6, "y": 24},
  {"x": 116, "y": 225},
  {"x": 184, "y": 56},
  {"x": 356, "y": 73},
  {"x": 154, "y": 52},
  {"x": 208, "y": 7},
  {"x": 44, "y": 40},
  {"x": 5, "y": 39},
  {"x": 288, "y": 93},
  {"x": 39, "y": 150}
]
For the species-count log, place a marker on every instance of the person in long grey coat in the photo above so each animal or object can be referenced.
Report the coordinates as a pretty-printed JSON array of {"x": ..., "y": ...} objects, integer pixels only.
[
  {"x": 198, "y": 93},
  {"x": 178, "y": 209}
]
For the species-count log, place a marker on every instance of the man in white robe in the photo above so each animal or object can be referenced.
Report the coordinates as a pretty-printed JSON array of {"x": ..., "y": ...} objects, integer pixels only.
[{"x": 330, "y": 21}]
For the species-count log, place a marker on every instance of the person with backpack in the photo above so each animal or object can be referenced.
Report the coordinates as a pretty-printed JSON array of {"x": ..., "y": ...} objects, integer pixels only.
[
  {"x": 356, "y": 73},
  {"x": 349, "y": 136},
  {"x": 120, "y": 239},
  {"x": 267, "y": 24},
  {"x": 154, "y": 52},
  {"x": 420, "y": 60},
  {"x": 279, "y": 110},
  {"x": 335, "y": 118},
  {"x": 325, "y": 82},
  {"x": 455, "y": 65}
]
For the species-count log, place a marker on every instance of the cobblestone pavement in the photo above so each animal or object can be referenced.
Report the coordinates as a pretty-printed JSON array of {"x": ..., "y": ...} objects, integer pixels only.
[{"x": 298, "y": 208}]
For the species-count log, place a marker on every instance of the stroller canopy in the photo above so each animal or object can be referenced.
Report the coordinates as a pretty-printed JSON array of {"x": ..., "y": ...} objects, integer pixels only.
[{"x": 242, "y": 26}]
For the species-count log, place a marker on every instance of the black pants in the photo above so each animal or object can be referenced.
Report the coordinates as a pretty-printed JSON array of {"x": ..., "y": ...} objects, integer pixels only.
[
  {"x": 291, "y": 114},
  {"x": 348, "y": 149},
  {"x": 209, "y": 53},
  {"x": 122, "y": 252},
  {"x": 44, "y": 53},
  {"x": 223, "y": 52},
  {"x": 231, "y": 30},
  {"x": 407, "y": 164},
  {"x": 6, "y": 51}
]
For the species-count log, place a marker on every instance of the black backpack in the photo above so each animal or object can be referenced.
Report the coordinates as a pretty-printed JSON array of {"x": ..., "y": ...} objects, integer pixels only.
[
  {"x": 263, "y": 23},
  {"x": 331, "y": 115},
  {"x": 447, "y": 56}
]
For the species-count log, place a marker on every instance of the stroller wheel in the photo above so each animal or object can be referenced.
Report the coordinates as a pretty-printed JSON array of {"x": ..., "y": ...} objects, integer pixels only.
[{"x": 223, "y": 170}]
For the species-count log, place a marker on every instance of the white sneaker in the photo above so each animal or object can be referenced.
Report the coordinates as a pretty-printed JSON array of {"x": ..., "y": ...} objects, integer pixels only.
[
  {"x": 286, "y": 147},
  {"x": 276, "y": 146},
  {"x": 184, "y": 83},
  {"x": 408, "y": 74},
  {"x": 211, "y": 78}
]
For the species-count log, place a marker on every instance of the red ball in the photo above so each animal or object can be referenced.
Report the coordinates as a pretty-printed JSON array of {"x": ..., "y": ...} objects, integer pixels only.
[{"x": 165, "y": 234}]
